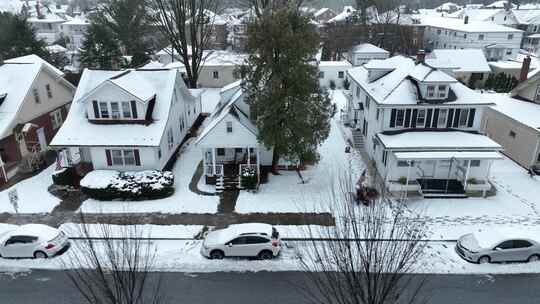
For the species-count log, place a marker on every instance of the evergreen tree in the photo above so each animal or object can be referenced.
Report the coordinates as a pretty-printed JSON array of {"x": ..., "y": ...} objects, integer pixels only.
[
  {"x": 100, "y": 49},
  {"x": 291, "y": 111},
  {"x": 17, "y": 38},
  {"x": 489, "y": 82}
]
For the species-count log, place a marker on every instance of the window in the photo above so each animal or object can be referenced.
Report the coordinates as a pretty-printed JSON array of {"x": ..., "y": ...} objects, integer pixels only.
[
  {"x": 512, "y": 134},
  {"x": 438, "y": 32},
  {"x": 384, "y": 157},
  {"x": 159, "y": 153},
  {"x": 238, "y": 150},
  {"x": 441, "y": 122},
  {"x": 481, "y": 37},
  {"x": 36, "y": 96},
  {"x": 538, "y": 158},
  {"x": 403, "y": 163},
  {"x": 442, "y": 91},
  {"x": 341, "y": 74},
  {"x": 49, "y": 91},
  {"x": 321, "y": 75},
  {"x": 510, "y": 36},
  {"x": 229, "y": 126},
  {"x": 220, "y": 151},
  {"x": 170, "y": 139},
  {"x": 464, "y": 36},
  {"x": 421, "y": 118},
  {"x": 463, "y": 117},
  {"x": 475, "y": 163},
  {"x": 256, "y": 240},
  {"x": 400, "y": 118},
  {"x": 503, "y": 18},
  {"x": 431, "y": 91},
  {"x": 239, "y": 241},
  {"x": 506, "y": 245},
  {"x": 103, "y": 110},
  {"x": 129, "y": 157},
  {"x": 522, "y": 244},
  {"x": 377, "y": 115},
  {"x": 123, "y": 157},
  {"x": 115, "y": 110},
  {"x": 56, "y": 119},
  {"x": 126, "y": 109},
  {"x": 367, "y": 102},
  {"x": 215, "y": 74},
  {"x": 357, "y": 91},
  {"x": 117, "y": 158}
]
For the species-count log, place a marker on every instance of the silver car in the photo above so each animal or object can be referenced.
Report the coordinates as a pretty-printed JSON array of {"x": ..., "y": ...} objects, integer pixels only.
[
  {"x": 242, "y": 240},
  {"x": 488, "y": 248}
]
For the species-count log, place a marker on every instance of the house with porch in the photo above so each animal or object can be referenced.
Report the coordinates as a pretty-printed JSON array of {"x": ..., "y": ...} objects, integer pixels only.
[
  {"x": 229, "y": 144},
  {"x": 127, "y": 120},
  {"x": 421, "y": 127},
  {"x": 34, "y": 100}
]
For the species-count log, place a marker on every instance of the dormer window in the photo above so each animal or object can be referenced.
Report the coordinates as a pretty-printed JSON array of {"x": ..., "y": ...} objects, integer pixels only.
[
  {"x": 103, "y": 110},
  {"x": 115, "y": 110},
  {"x": 436, "y": 91},
  {"x": 126, "y": 109},
  {"x": 442, "y": 91},
  {"x": 431, "y": 91}
]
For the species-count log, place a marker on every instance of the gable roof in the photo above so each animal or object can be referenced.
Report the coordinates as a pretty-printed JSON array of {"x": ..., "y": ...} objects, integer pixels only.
[
  {"x": 78, "y": 131},
  {"x": 525, "y": 112},
  {"x": 463, "y": 60},
  {"x": 16, "y": 78},
  {"x": 368, "y": 48},
  {"x": 471, "y": 27}
]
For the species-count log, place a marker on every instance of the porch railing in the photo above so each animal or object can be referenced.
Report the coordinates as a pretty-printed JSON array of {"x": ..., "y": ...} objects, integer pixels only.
[{"x": 209, "y": 170}]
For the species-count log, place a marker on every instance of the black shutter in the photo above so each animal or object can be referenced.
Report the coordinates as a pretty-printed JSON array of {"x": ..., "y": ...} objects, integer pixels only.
[
  {"x": 428, "y": 118},
  {"x": 393, "y": 118},
  {"x": 134, "y": 109},
  {"x": 471, "y": 118},
  {"x": 449, "y": 118},
  {"x": 456, "y": 118},
  {"x": 414, "y": 117},
  {"x": 109, "y": 158},
  {"x": 407, "y": 118},
  {"x": 435, "y": 118},
  {"x": 96, "y": 109}
]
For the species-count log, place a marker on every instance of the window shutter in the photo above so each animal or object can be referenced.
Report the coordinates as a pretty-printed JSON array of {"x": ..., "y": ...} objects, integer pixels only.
[
  {"x": 134, "y": 109},
  {"x": 449, "y": 118},
  {"x": 471, "y": 118},
  {"x": 435, "y": 118},
  {"x": 407, "y": 118},
  {"x": 456, "y": 118},
  {"x": 429, "y": 113},
  {"x": 96, "y": 109},
  {"x": 137, "y": 157},
  {"x": 109, "y": 158},
  {"x": 414, "y": 117},
  {"x": 393, "y": 118}
]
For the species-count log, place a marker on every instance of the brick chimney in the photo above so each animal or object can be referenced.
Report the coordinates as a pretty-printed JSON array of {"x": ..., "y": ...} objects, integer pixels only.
[
  {"x": 420, "y": 56},
  {"x": 466, "y": 20},
  {"x": 525, "y": 69}
]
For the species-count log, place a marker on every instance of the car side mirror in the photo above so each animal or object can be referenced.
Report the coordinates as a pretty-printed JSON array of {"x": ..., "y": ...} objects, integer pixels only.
[
  {"x": 498, "y": 249},
  {"x": 230, "y": 244}
]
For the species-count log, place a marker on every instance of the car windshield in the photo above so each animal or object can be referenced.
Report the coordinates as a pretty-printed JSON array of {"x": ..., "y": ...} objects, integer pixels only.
[{"x": 275, "y": 233}]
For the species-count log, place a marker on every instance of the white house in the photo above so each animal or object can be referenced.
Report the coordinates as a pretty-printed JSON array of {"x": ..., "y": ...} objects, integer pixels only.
[
  {"x": 365, "y": 52},
  {"x": 47, "y": 26},
  {"x": 333, "y": 71},
  {"x": 498, "y": 42},
  {"x": 74, "y": 30},
  {"x": 128, "y": 120},
  {"x": 466, "y": 65},
  {"x": 421, "y": 127},
  {"x": 229, "y": 143}
]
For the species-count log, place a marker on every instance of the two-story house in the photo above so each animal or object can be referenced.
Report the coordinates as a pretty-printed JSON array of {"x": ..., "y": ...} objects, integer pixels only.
[
  {"x": 128, "y": 120},
  {"x": 364, "y": 52},
  {"x": 47, "y": 26},
  {"x": 421, "y": 127},
  {"x": 498, "y": 42}
]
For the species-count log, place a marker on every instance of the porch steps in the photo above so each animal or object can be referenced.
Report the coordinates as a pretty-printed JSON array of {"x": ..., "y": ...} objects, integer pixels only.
[
  {"x": 225, "y": 183},
  {"x": 433, "y": 195},
  {"x": 441, "y": 188},
  {"x": 358, "y": 139}
]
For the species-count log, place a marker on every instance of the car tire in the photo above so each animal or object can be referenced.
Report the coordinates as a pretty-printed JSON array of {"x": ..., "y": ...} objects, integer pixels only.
[
  {"x": 533, "y": 258},
  {"x": 217, "y": 255},
  {"x": 484, "y": 260},
  {"x": 266, "y": 255},
  {"x": 40, "y": 255}
]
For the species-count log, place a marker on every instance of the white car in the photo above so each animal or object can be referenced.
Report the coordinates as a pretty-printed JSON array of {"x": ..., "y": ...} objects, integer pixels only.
[
  {"x": 242, "y": 240},
  {"x": 33, "y": 241}
]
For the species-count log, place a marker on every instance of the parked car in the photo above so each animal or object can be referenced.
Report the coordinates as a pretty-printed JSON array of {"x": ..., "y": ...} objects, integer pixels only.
[
  {"x": 33, "y": 241},
  {"x": 242, "y": 240},
  {"x": 492, "y": 247}
]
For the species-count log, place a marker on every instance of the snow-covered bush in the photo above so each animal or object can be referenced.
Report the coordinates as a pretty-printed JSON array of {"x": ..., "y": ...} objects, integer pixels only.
[
  {"x": 130, "y": 186},
  {"x": 249, "y": 178}
]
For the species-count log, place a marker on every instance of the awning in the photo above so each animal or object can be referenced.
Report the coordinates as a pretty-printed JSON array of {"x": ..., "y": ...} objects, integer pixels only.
[{"x": 447, "y": 155}]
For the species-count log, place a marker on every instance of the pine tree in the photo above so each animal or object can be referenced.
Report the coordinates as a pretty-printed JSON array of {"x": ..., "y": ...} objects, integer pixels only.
[
  {"x": 17, "y": 38},
  {"x": 489, "y": 82},
  {"x": 291, "y": 111},
  {"x": 100, "y": 49}
]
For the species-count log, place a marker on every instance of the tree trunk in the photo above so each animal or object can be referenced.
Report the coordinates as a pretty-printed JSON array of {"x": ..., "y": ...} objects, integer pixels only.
[
  {"x": 300, "y": 174},
  {"x": 275, "y": 162}
]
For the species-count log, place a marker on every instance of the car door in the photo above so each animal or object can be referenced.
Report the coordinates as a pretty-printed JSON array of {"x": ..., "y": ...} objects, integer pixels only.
[
  {"x": 505, "y": 252},
  {"x": 256, "y": 244},
  {"x": 523, "y": 249},
  {"x": 13, "y": 246},
  {"x": 236, "y": 247}
]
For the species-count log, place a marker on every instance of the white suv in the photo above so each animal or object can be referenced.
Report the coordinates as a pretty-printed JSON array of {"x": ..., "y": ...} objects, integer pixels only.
[
  {"x": 242, "y": 240},
  {"x": 33, "y": 240}
]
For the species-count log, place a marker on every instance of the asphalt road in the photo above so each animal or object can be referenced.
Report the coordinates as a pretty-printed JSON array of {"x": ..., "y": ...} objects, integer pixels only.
[{"x": 46, "y": 287}]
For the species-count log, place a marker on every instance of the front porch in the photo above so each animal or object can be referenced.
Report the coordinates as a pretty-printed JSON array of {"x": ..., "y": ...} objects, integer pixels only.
[{"x": 232, "y": 168}]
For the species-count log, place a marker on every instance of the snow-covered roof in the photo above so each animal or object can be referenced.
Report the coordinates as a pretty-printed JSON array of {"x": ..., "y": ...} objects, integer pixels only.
[
  {"x": 437, "y": 140},
  {"x": 465, "y": 60},
  {"x": 135, "y": 84},
  {"x": 471, "y": 27},
  {"x": 368, "y": 48},
  {"x": 527, "y": 16},
  {"x": 347, "y": 12},
  {"x": 525, "y": 112},
  {"x": 499, "y": 4},
  {"x": 397, "y": 87},
  {"x": 448, "y": 155},
  {"x": 43, "y": 232},
  {"x": 447, "y": 6},
  {"x": 476, "y": 14},
  {"x": 78, "y": 20},
  {"x": 216, "y": 58},
  {"x": 16, "y": 78},
  {"x": 47, "y": 18},
  {"x": 56, "y": 48},
  {"x": 342, "y": 63},
  {"x": 78, "y": 131},
  {"x": 11, "y": 6},
  {"x": 321, "y": 11}
]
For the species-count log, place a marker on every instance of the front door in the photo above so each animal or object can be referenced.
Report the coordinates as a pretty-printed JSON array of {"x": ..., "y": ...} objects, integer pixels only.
[
  {"x": 428, "y": 168},
  {"x": 42, "y": 139}
]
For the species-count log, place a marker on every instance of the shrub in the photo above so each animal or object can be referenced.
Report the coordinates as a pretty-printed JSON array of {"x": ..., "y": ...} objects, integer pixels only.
[
  {"x": 130, "y": 186},
  {"x": 472, "y": 181},
  {"x": 346, "y": 84},
  {"x": 66, "y": 177},
  {"x": 332, "y": 85},
  {"x": 249, "y": 178},
  {"x": 402, "y": 180}
]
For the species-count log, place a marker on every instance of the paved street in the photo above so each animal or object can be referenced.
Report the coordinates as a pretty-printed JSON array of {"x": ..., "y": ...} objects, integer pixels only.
[{"x": 270, "y": 287}]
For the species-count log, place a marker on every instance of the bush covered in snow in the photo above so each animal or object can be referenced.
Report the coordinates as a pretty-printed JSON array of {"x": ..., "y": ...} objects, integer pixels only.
[
  {"x": 132, "y": 186},
  {"x": 249, "y": 178}
]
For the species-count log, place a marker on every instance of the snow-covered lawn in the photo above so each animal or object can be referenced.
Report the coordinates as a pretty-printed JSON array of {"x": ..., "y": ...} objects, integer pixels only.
[
  {"x": 32, "y": 193},
  {"x": 286, "y": 193}
]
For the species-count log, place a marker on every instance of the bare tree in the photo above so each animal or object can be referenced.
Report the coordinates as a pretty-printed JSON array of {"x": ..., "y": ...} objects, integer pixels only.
[
  {"x": 368, "y": 256},
  {"x": 112, "y": 264},
  {"x": 188, "y": 25}
]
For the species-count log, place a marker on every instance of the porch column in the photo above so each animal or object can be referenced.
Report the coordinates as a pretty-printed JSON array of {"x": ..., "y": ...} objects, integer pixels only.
[
  {"x": 248, "y": 156},
  {"x": 258, "y": 165},
  {"x": 408, "y": 172},
  {"x": 214, "y": 160},
  {"x": 489, "y": 170},
  {"x": 467, "y": 174}
]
